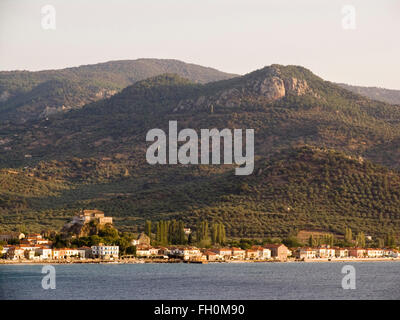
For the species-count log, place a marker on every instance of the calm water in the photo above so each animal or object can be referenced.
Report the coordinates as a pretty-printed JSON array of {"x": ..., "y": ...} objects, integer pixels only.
[{"x": 374, "y": 280}]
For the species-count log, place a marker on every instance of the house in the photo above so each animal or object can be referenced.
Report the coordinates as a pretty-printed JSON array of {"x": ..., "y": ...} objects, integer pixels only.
[
  {"x": 357, "y": 252},
  {"x": 65, "y": 253},
  {"x": 5, "y": 249},
  {"x": 15, "y": 253},
  {"x": 84, "y": 252},
  {"x": 105, "y": 251},
  {"x": 251, "y": 254},
  {"x": 56, "y": 254},
  {"x": 238, "y": 254},
  {"x": 29, "y": 247},
  {"x": 325, "y": 252},
  {"x": 29, "y": 254},
  {"x": 391, "y": 253},
  {"x": 153, "y": 251},
  {"x": 7, "y": 236},
  {"x": 306, "y": 253},
  {"x": 224, "y": 253},
  {"x": 263, "y": 253},
  {"x": 375, "y": 253},
  {"x": 44, "y": 253},
  {"x": 211, "y": 256},
  {"x": 341, "y": 252},
  {"x": 278, "y": 251},
  {"x": 163, "y": 251},
  {"x": 143, "y": 250},
  {"x": 187, "y": 253},
  {"x": 35, "y": 238}
]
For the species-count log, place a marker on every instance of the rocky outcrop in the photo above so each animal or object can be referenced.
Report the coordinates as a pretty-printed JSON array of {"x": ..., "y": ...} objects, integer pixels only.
[
  {"x": 269, "y": 85},
  {"x": 271, "y": 88}
]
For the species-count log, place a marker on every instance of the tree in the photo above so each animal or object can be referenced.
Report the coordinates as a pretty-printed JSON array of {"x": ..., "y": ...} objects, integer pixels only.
[
  {"x": 222, "y": 234},
  {"x": 311, "y": 241},
  {"x": 348, "y": 236},
  {"x": 147, "y": 228},
  {"x": 190, "y": 238},
  {"x": 314, "y": 241},
  {"x": 360, "y": 240},
  {"x": 181, "y": 233},
  {"x": 202, "y": 235},
  {"x": 131, "y": 250},
  {"x": 291, "y": 242},
  {"x": 218, "y": 235},
  {"x": 390, "y": 240},
  {"x": 158, "y": 233},
  {"x": 162, "y": 232}
]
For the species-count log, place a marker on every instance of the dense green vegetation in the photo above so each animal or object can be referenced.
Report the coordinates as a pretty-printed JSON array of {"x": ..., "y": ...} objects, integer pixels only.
[
  {"x": 25, "y": 95},
  {"x": 107, "y": 236},
  {"x": 380, "y": 94},
  {"x": 295, "y": 189},
  {"x": 313, "y": 160}
]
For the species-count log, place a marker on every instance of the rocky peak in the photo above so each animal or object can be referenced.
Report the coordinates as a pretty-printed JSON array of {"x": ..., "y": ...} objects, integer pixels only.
[{"x": 267, "y": 84}]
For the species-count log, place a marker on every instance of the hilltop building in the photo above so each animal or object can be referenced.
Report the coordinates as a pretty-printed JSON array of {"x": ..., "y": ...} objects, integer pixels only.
[{"x": 80, "y": 223}]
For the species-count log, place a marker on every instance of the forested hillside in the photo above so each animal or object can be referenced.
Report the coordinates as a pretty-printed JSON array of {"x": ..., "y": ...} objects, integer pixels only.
[
  {"x": 326, "y": 158},
  {"x": 26, "y": 95}
]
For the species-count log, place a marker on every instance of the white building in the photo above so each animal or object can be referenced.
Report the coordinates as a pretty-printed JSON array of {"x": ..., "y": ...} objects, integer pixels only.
[
  {"x": 375, "y": 253},
  {"x": 263, "y": 253},
  {"x": 238, "y": 254},
  {"x": 143, "y": 251},
  {"x": 44, "y": 253},
  {"x": 187, "y": 253},
  {"x": 306, "y": 253},
  {"x": 325, "y": 252},
  {"x": 341, "y": 252},
  {"x": 103, "y": 251}
]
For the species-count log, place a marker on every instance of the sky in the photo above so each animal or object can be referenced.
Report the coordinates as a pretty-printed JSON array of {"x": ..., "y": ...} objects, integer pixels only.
[{"x": 359, "y": 47}]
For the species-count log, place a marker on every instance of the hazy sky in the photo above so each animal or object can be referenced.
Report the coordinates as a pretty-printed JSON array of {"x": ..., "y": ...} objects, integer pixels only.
[{"x": 230, "y": 35}]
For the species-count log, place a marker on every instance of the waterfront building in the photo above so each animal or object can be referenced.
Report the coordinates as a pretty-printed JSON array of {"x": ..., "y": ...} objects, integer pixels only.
[
  {"x": 224, "y": 253},
  {"x": 143, "y": 250},
  {"x": 341, "y": 252},
  {"x": 105, "y": 251},
  {"x": 211, "y": 256},
  {"x": 306, "y": 253},
  {"x": 84, "y": 252},
  {"x": 357, "y": 252},
  {"x": 187, "y": 253},
  {"x": 278, "y": 251},
  {"x": 15, "y": 253},
  {"x": 251, "y": 254},
  {"x": 238, "y": 253},
  {"x": 263, "y": 253}
]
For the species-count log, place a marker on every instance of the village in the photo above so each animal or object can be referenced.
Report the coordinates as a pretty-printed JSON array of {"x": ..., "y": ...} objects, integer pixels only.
[{"x": 20, "y": 248}]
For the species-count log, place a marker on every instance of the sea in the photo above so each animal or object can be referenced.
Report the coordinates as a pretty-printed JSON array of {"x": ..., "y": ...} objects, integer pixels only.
[{"x": 236, "y": 281}]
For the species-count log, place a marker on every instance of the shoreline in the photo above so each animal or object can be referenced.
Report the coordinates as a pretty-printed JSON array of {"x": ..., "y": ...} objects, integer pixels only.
[{"x": 151, "y": 261}]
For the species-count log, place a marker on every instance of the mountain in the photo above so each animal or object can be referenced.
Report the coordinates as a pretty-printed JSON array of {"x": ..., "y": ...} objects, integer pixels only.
[
  {"x": 285, "y": 105},
  {"x": 379, "y": 94},
  {"x": 28, "y": 95},
  {"x": 325, "y": 158}
]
